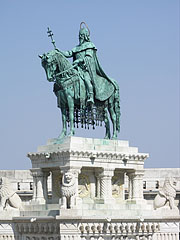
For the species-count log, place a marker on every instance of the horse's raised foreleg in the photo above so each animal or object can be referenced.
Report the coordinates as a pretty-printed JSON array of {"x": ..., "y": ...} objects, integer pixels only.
[
  {"x": 64, "y": 123},
  {"x": 107, "y": 125},
  {"x": 71, "y": 115},
  {"x": 113, "y": 119}
]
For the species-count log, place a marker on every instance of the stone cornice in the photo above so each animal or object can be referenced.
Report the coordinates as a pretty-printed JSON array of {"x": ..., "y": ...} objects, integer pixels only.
[{"x": 88, "y": 154}]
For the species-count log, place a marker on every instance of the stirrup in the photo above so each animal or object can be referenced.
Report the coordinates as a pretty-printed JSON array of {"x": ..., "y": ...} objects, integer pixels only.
[{"x": 90, "y": 100}]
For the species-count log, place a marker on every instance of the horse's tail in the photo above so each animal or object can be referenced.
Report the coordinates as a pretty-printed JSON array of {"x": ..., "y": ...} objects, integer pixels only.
[{"x": 117, "y": 109}]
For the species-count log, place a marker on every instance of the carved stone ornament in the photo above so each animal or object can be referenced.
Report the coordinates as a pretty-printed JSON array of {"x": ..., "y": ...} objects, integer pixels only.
[
  {"x": 68, "y": 190},
  {"x": 83, "y": 186},
  {"x": 166, "y": 194},
  {"x": 117, "y": 187},
  {"x": 8, "y": 197}
]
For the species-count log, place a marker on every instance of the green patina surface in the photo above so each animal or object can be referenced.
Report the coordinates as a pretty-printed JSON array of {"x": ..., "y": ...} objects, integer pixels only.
[{"x": 85, "y": 94}]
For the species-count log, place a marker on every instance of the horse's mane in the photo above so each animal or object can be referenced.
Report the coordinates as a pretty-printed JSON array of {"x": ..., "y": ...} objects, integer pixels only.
[{"x": 63, "y": 63}]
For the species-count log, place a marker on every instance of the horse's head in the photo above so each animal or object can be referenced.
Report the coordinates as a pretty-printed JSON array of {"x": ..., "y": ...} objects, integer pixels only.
[
  {"x": 50, "y": 64},
  {"x": 56, "y": 65}
]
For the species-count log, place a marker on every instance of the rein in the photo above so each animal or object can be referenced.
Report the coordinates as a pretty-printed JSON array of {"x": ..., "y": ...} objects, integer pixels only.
[
  {"x": 65, "y": 81},
  {"x": 58, "y": 74}
]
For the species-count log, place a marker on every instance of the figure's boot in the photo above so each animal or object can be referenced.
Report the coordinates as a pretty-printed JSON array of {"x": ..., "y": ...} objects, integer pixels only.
[{"x": 91, "y": 99}]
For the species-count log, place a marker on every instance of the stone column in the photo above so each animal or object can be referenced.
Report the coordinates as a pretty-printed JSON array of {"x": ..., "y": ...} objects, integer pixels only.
[
  {"x": 55, "y": 181},
  {"x": 98, "y": 187},
  {"x": 33, "y": 174},
  {"x": 45, "y": 184},
  {"x": 38, "y": 194},
  {"x": 135, "y": 185},
  {"x": 130, "y": 185},
  {"x": 137, "y": 193},
  {"x": 98, "y": 183},
  {"x": 106, "y": 185}
]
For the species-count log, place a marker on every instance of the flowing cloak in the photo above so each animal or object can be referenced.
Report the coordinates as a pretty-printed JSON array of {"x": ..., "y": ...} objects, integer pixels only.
[{"x": 104, "y": 86}]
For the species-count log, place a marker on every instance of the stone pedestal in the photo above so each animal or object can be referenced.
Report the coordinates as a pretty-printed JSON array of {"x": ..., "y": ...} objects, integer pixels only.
[
  {"x": 86, "y": 171},
  {"x": 88, "y": 177}
]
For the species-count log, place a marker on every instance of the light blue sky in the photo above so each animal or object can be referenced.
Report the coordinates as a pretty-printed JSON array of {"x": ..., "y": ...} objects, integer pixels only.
[{"x": 138, "y": 45}]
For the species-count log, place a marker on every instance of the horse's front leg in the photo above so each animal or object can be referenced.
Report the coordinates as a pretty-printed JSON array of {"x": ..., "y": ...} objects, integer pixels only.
[
  {"x": 71, "y": 115},
  {"x": 64, "y": 123}
]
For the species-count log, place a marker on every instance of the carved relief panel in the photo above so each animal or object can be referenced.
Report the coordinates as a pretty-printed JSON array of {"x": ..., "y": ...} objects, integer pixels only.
[
  {"x": 118, "y": 185},
  {"x": 83, "y": 186}
]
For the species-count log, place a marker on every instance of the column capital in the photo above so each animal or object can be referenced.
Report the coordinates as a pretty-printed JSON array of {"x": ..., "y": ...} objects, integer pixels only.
[
  {"x": 36, "y": 172},
  {"x": 98, "y": 171},
  {"x": 73, "y": 170},
  {"x": 46, "y": 173},
  {"x": 107, "y": 172},
  {"x": 135, "y": 173},
  {"x": 139, "y": 172}
]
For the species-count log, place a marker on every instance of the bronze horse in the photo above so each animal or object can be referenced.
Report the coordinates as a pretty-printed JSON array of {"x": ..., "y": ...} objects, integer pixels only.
[{"x": 69, "y": 87}]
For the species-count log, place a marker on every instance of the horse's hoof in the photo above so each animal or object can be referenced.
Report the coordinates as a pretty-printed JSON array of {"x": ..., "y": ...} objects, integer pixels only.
[
  {"x": 107, "y": 137},
  {"x": 71, "y": 134},
  {"x": 62, "y": 135},
  {"x": 114, "y": 138}
]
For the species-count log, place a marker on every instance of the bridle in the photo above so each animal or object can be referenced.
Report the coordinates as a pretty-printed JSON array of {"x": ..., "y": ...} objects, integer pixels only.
[{"x": 64, "y": 81}]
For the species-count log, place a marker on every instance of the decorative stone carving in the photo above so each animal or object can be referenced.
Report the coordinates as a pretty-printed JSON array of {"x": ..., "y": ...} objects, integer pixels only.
[
  {"x": 166, "y": 194},
  {"x": 117, "y": 187},
  {"x": 68, "y": 190},
  {"x": 83, "y": 186},
  {"x": 8, "y": 197}
]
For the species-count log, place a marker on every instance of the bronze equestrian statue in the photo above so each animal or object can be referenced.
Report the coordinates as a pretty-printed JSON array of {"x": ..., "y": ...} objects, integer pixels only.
[{"x": 85, "y": 94}]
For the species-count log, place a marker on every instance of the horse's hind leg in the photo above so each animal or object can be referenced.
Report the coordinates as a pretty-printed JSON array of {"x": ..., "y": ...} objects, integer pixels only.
[
  {"x": 71, "y": 115},
  {"x": 107, "y": 125},
  {"x": 64, "y": 124},
  {"x": 113, "y": 119}
]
